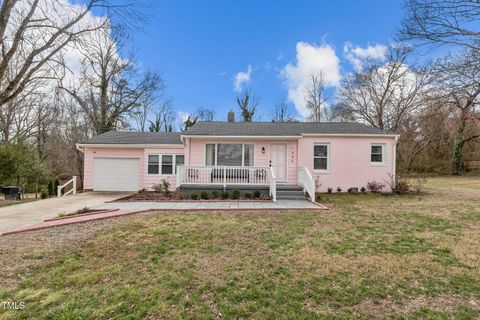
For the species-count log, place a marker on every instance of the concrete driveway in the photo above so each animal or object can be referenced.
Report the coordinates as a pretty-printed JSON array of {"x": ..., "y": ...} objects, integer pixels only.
[{"x": 25, "y": 214}]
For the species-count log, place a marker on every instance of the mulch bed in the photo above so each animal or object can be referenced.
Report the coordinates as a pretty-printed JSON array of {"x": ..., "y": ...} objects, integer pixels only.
[{"x": 160, "y": 196}]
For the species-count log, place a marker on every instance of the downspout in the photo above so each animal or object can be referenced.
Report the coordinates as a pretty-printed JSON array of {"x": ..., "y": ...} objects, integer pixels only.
[
  {"x": 394, "y": 159},
  {"x": 79, "y": 148}
]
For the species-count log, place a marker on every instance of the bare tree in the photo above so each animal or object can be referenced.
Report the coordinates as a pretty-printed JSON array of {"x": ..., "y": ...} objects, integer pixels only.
[
  {"x": 146, "y": 105},
  {"x": 453, "y": 23},
  {"x": 383, "y": 93},
  {"x": 457, "y": 81},
  {"x": 201, "y": 114},
  {"x": 316, "y": 97},
  {"x": 281, "y": 112},
  {"x": 204, "y": 114},
  {"x": 421, "y": 131},
  {"x": 34, "y": 32},
  {"x": 164, "y": 119},
  {"x": 110, "y": 87},
  {"x": 248, "y": 103},
  {"x": 442, "y": 22}
]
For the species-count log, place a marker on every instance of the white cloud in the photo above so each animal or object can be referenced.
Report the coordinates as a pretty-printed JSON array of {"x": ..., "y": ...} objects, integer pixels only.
[
  {"x": 357, "y": 55},
  {"x": 310, "y": 58},
  {"x": 242, "y": 78}
]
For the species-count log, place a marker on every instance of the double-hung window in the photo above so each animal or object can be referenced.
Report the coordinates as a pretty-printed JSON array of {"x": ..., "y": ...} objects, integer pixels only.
[
  {"x": 229, "y": 154},
  {"x": 377, "y": 153},
  {"x": 164, "y": 164},
  {"x": 153, "y": 164},
  {"x": 179, "y": 161},
  {"x": 321, "y": 155}
]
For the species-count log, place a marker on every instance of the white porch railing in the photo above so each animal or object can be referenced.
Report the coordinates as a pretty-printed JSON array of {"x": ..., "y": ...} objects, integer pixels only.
[
  {"x": 73, "y": 191},
  {"x": 306, "y": 180},
  {"x": 226, "y": 175},
  {"x": 273, "y": 184}
]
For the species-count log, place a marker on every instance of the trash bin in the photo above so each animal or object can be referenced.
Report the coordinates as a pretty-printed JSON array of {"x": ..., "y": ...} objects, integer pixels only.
[{"x": 12, "y": 193}]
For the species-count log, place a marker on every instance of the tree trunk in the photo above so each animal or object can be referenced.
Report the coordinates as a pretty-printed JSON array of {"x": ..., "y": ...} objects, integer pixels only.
[{"x": 458, "y": 146}]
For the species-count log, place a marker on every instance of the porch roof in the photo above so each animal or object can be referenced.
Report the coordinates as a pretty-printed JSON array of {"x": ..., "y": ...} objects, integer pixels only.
[{"x": 220, "y": 128}]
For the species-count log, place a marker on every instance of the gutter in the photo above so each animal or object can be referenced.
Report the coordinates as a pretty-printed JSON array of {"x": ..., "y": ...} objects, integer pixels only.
[{"x": 127, "y": 145}]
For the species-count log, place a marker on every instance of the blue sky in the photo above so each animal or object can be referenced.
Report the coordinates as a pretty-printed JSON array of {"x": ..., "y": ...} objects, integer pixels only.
[{"x": 200, "y": 46}]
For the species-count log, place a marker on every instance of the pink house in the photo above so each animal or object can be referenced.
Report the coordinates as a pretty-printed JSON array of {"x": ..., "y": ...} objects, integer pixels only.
[{"x": 308, "y": 156}]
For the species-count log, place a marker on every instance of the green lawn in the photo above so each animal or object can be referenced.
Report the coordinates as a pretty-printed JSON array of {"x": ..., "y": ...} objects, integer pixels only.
[{"x": 412, "y": 257}]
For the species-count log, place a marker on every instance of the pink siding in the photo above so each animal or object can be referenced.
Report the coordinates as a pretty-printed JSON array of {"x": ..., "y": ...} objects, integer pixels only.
[
  {"x": 350, "y": 164},
  {"x": 146, "y": 180},
  {"x": 196, "y": 147},
  {"x": 150, "y": 179}
]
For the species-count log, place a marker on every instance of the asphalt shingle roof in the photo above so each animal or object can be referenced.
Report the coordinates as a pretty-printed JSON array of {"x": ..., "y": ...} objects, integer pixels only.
[
  {"x": 117, "y": 137},
  {"x": 217, "y": 128}
]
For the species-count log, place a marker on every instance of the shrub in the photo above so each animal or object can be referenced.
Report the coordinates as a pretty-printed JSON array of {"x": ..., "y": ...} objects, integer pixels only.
[
  {"x": 318, "y": 198},
  {"x": 50, "y": 187},
  {"x": 194, "y": 196},
  {"x": 401, "y": 187},
  {"x": 215, "y": 194},
  {"x": 236, "y": 194},
  {"x": 44, "y": 194},
  {"x": 329, "y": 190},
  {"x": 166, "y": 187},
  {"x": 349, "y": 190},
  {"x": 362, "y": 189},
  {"x": 225, "y": 195},
  {"x": 157, "y": 187},
  {"x": 339, "y": 189},
  {"x": 248, "y": 195},
  {"x": 61, "y": 214},
  {"x": 257, "y": 194},
  {"x": 204, "y": 195},
  {"x": 375, "y": 186}
]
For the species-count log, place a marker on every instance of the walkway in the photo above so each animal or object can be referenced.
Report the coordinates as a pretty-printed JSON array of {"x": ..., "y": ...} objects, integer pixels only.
[
  {"x": 25, "y": 214},
  {"x": 211, "y": 205},
  {"x": 29, "y": 220}
]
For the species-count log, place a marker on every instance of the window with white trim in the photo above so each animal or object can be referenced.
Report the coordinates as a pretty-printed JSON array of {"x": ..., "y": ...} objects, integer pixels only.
[
  {"x": 163, "y": 164},
  {"x": 229, "y": 154},
  {"x": 377, "y": 153},
  {"x": 179, "y": 161},
  {"x": 167, "y": 164},
  {"x": 321, "y": 154},
  {"x": 153, "y": 164}
]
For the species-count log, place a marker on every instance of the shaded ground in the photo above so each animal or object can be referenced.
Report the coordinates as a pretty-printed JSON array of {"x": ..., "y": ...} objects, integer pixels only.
[{"x": 414, "y": 257}]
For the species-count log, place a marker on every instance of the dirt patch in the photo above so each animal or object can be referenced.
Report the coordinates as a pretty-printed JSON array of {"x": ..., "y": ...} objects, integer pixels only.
[{"x": 384, "y": 308}]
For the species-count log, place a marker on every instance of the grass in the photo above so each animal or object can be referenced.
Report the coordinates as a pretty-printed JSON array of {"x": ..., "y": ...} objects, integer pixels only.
[{"x": 370, "y": 256}]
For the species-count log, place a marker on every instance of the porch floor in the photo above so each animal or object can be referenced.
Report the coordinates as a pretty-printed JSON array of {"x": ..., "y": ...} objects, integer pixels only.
[{"x": 211, "y": 205}]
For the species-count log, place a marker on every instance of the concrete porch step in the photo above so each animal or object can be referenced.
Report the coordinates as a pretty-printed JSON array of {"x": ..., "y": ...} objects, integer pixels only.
[
  {"x": 292, "y": 193},
  {"x": 289, "y": 187},
  {"x": 291, "y": 198}
]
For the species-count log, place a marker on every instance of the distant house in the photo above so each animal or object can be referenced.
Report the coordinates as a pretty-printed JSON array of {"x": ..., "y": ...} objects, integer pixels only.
[{"x": 315, "y": 156}]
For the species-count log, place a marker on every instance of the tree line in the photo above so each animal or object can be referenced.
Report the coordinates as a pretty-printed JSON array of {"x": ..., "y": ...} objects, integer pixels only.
[{"x": 66, "y": 74}]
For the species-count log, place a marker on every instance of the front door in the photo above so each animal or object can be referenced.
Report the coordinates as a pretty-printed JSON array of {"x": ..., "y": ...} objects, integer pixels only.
[{"x": 278, "y": 160}]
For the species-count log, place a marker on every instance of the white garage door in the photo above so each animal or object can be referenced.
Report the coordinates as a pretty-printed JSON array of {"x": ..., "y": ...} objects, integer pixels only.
[{"x": 111, "y": 174}]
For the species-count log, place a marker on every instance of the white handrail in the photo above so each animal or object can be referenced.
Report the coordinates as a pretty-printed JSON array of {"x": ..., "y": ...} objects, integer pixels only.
[
  {"x": 222, "y": 175},
  {"x": 306, "y": 180},
  {"x": 72, "y": 191},
  {"x": 273, "y": 184}
]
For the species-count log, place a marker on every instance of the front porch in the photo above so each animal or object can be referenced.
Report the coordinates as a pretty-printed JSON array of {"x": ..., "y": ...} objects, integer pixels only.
[{"x": 232, "y": 177}]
